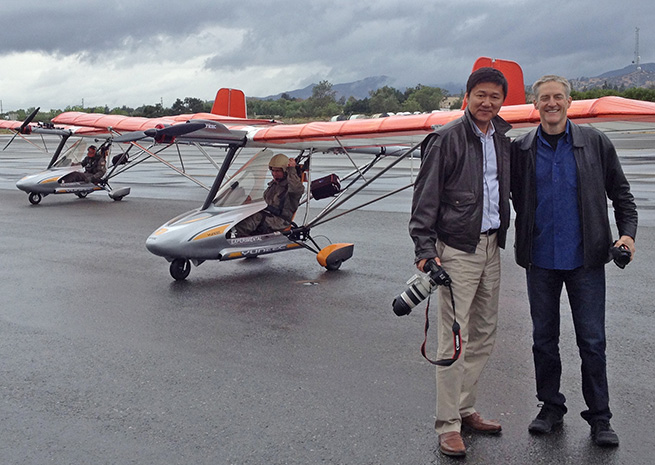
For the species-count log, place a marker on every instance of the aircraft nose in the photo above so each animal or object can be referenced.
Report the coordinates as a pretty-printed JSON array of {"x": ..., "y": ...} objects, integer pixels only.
[
  {"x": 22, "y": 184},
  {"x": 158, "y": 245}
]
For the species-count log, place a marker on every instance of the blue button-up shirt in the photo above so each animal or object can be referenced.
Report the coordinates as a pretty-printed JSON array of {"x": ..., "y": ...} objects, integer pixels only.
[
  {"x": 491, "y": 191},
  {"x": 558, "y": 233}
]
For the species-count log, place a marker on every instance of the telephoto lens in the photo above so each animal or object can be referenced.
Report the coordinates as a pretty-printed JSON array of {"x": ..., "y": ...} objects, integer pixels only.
[{"x": 419, "y": 287}]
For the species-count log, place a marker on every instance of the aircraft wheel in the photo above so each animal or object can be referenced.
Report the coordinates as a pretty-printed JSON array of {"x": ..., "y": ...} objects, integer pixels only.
[
  {"x": 118, "y": 199},
  {"x": 35, "y": 198},
  {"x": 82, "y": 195},
  {"x": 334, "y": 266},
  {"x": 180, "y": 269}
]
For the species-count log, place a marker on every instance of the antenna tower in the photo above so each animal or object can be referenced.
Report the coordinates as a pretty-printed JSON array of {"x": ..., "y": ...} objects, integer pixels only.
[{"x": 637, "y": 57}]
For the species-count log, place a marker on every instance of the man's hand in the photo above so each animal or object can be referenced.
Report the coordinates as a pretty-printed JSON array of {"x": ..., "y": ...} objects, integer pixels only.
[
  {"x": 421, "y": 263},
  {"x": 629, "y": 243}
]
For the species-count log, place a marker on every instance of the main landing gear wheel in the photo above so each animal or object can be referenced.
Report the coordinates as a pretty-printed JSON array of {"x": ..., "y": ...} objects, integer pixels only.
[
  {"x": 180, "y": 269},
  {"x": 332, "y": 256},
  {"x": 82, "y": 195},
  {"x": 35, "y": 198},
  {"x": 334, "y": 266}
]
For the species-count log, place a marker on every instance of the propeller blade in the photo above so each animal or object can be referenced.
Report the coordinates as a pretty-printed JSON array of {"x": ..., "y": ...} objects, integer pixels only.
[
  {"x": 29, "y": 119},
  {"x": 130, "y": 137},
  {"x": 160, "y": 133},
  {"x": 175, "y": 130},
  {"x": 22, "y": 127}
]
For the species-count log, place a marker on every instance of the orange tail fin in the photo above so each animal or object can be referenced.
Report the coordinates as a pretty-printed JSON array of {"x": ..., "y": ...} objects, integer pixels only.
[
  {"x": 514, "y": 75},
  {"x": 230, "y": 102}
]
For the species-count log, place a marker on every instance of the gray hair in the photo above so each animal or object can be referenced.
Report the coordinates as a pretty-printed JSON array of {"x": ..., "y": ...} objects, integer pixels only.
[{"x": 551, "y": 78}]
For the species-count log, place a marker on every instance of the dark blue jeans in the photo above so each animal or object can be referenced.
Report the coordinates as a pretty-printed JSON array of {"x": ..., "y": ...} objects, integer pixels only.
[{"x": 586, "y": 293}]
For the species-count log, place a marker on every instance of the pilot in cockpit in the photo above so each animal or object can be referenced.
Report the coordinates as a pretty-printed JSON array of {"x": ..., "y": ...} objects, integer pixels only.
[
  {"x": 282, "y": 198},
  {"x": 95, "y": 166}
]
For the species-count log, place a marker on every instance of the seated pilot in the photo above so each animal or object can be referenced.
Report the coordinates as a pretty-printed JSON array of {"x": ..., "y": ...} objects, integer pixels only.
[
  {"x": 282, "y": 197},
  {"x": 95, "y": 167}
]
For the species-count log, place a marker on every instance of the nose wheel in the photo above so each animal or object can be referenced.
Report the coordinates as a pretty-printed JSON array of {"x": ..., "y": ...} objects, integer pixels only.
[
  {"x": 35, "y": 198},
  {"x": 180, "y": 269}
]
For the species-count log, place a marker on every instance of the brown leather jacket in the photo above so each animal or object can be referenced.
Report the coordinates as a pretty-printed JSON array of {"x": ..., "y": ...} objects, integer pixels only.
[{"x": 448, "y": 192}]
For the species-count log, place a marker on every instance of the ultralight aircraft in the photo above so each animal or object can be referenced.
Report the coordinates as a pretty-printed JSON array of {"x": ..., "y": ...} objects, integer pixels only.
[{"x": 207, "y": 233}]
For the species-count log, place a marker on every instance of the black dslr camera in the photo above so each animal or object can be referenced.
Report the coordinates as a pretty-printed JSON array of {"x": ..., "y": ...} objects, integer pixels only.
[
  {"x": 419, "y": 287},
  {"x": 621, "y": 255}
]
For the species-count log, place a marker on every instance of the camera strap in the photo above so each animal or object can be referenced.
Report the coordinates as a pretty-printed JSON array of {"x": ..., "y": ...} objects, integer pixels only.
[{"x": 457, "y": 338}]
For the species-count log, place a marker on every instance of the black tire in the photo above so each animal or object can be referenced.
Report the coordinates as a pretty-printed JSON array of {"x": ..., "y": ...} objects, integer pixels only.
[
  {"x": 35, "y": 198},
  {"x": 180, "y": 269},
  {"x": 334, "y": 266},
  {"x": 82, "y": 195},
  {"x": 118, "y": 199}
]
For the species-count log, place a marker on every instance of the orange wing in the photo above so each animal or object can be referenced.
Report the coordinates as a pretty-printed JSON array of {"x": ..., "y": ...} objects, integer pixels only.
[{"x": 392, "y": 130}]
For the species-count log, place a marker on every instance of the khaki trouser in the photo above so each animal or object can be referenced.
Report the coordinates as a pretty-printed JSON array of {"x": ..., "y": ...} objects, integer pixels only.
[{"x": 475, "y": 284}]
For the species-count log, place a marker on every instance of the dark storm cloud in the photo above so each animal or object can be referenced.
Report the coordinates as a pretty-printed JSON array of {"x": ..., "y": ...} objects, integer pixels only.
[
  {"x": 423, "y": 39},
  {"x": 92, "y": 28},
  {"x": 271, "y": 47}
]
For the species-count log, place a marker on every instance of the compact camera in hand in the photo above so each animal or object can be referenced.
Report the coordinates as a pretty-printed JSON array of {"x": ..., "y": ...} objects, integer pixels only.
[
  {"x": 621, "y": 255},
  {"x": 419, "y": 287}
]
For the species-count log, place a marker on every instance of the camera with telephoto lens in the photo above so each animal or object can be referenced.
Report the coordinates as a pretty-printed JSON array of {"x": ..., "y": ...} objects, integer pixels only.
[
  {"x": 419, "y": 287},
  {"x": 621, "y": 255}
]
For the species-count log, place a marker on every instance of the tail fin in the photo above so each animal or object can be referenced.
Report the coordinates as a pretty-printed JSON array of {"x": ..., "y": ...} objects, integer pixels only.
[
  {"x": 230, "y": 102},
  {"x": 514, "y": 75}
]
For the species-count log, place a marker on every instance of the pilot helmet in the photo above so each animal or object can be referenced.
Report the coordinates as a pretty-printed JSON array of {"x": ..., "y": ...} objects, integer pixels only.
[{"x": 279, "y": 161}]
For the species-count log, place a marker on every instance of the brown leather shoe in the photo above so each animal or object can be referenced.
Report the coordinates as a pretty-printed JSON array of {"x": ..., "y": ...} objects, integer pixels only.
[
  {"x": 451, "y": 444},
  {"x": 476, "y": 423}
]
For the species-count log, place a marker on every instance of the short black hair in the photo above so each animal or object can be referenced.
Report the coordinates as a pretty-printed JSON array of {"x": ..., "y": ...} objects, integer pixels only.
[{"x": 486, "y": 74}]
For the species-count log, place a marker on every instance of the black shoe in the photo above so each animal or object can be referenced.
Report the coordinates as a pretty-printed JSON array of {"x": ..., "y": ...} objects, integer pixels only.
[
  {"x": 603, "y": 434},
  {"x": 546, "y": 421}
]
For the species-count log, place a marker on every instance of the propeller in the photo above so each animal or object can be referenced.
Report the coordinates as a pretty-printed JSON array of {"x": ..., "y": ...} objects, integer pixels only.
[
  {"x": 22, "y": 127},
  {"x": 160, "y": 133}
]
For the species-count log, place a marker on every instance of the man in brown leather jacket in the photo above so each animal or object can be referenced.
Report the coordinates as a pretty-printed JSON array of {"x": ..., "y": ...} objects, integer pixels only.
[{"x": 460, "y": 215}]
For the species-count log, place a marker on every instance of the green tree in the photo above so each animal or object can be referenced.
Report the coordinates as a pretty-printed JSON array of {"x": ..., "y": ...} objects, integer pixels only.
[
  {"x": 386, "y": 99},
  {"x": 427, "y": 98},
  {"x": 189, "y": 105},
  {"x": 150, "y": 111},
  {"x": 322, "y": 102},
  {"x": 354, "y": 106}
]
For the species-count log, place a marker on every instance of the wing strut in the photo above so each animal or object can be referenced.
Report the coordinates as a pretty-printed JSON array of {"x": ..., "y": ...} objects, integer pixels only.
[
  {"x": 350, "y": 158},
  {"x": 179, "y": 155},
  {"x": 231, "y": 153},
  {"x": 171, "y": 166},
  {"x": 202, "y": 150},
  {"x": 60, "y": 147},
  {"x": 324, "y": 217}
]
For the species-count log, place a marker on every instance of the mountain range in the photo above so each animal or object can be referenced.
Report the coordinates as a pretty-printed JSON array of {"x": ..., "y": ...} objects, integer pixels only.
[
  {"x": 619, "y": 78},
  {"x": 625, "y": 77},
  {"x": 359, "y": 89}
]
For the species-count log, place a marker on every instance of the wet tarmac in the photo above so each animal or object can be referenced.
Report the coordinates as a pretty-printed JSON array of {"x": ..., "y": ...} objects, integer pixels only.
[{"x": 105, "y": 359}]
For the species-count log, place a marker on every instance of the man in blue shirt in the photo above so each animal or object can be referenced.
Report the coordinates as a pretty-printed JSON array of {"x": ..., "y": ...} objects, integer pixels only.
[{"x": 562, "y": 175}]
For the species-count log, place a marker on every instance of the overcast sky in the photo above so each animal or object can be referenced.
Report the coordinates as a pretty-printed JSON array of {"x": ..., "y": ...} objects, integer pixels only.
[{"x": 61, "y": 53}]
